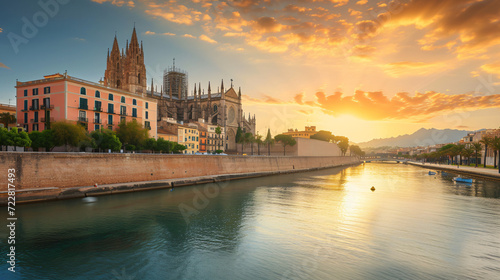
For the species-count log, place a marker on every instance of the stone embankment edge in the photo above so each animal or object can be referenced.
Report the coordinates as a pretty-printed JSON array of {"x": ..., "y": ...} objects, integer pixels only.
[
  {"x": 484, "y": 176},
  {"x": 54, "y": 193}
]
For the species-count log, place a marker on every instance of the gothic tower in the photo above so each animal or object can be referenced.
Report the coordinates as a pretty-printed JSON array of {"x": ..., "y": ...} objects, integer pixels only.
[{"x": 126, "y": 71}]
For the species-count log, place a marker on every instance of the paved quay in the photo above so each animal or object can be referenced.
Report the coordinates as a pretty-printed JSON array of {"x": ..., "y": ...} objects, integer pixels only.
[{"x": 480, "y": 172}]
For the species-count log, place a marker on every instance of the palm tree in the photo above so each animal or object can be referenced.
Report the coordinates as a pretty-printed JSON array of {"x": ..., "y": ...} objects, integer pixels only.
[
  {"x": 477, "y": 149},
  {"x": 258, "y": 140},
  {"x": 468, "y": 152},
  {"x": 249, "y": 139},
  {"x": 496, "y": 147},
  {"x": 6, "y": 119},
  {"x": 460, "y": 148},
  {"x": 486, "y": 141}
]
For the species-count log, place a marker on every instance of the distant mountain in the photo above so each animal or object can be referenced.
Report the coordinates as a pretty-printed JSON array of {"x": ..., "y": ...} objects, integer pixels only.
[{"x": 421, "y": 137}]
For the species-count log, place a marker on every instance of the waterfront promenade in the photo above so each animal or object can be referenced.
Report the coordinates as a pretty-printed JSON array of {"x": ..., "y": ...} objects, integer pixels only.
[{"x": 486, "y": 173}]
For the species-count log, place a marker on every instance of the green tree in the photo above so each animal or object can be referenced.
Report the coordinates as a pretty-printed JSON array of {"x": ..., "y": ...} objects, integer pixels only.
[
  {"x": 486, "y": 141},
  {"x": 151, "y": 144},
  {"x": 239, "y": 135},
  {"x": 4, "y": 138},
  {"x": 36, "y": 140},
  {"x": 18, "y": 139},
  {"x": 259, "y": 141},
  {"x": 218, "y": 131},
  {"x": 269, "y": 141},
  {"x": 6, "y": 119},
  {"x": 356, "y": 150},
  {"x": 477, "y": 150},
  {"x": 67, "y": 134},
  {"x": 468, "y": 153},
  {"x": 285, "y": 140},
  {"x": 132, "y": 134},
  {"x": 106, "y": 139},
  {"x": 163, "y": 145},
  {"x": 342, "y": 142},
  {"x": 323, "y": 135},
  {"x": 178, "y": 148},
  {"x": 449, "y": 150}
]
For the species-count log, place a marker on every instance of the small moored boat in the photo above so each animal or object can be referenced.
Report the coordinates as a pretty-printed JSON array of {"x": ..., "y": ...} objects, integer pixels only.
[
  {"x": 432, "y": 173},
  {"x": 462, "y": 180}
]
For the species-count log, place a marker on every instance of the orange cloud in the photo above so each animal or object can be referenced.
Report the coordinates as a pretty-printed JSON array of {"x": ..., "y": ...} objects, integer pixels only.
[
  {"x": 404, "y": 68},
  {"x": 377, "y": 106},
  {"x": 149, "y": 33},
  {"x": 118, "y": 3},
  {"x": 361, "y": 2},
  {"x": 493, "y": 68},
  {"x": 207, "y": 39},
  {"x": 3, "y": 66},
  {"x": 1, "y": 30}
]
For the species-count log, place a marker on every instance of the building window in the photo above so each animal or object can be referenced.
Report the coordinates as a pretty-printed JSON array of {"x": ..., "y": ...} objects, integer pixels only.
[
  {"x": 97, "y": 106},
  {"x": 34, "y": 104},
  {"x": 111, "y": 108},
  {"x": 122, "y": 119},
  {"x": 82, "y": 116},
  {"x": 25, "y": 117},
  {"x": 35, "y": 127},
  {"x": 110, "y": 97},
  {"x": 134, "y": 112},
  {"x": 123, "y": 110},
  {"x": 147, "y": 125},
  {"x": 83, "y": 104},
  {"x": 147, "y": 115},
  {"x": 25, "y": 92},
  {"x": 97, "y": 118},
  {"x": 97, "y": 94},
  {"x": 110, "y": 119},
  {"x": 35, "y": 117},
  {"x": 134, "y": 102},
  {"x": 46, "y": 90},
  {"x": 35, "y": 91},
  {"x": 215, "y": 108},
  {"x": 123, "y": 99},
  {"x": 83, "y": 91},
  {"x": 26, "y": 105},
  {"x": 110, "y": 127},
  {"x": 96, "y": 127},
  {"x": 147, "y": 105}
]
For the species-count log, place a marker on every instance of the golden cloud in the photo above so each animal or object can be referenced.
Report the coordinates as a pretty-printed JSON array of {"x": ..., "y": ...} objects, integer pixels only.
[
  {"x": 361, "y": 2},
  {"x": 377, "y": 106},
  {"x": 493, "y": 68},
  {"x": 117, "y": 3},
  {"x": 205, "y": 38},
  {"x": 404, "y": 68},
  {"x": 1, "y": 30},
  {"x": 149, "y": 33}
]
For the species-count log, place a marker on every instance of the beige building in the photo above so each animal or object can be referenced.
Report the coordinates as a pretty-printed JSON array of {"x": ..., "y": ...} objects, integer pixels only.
[
  {"x": 189, "y": 136},
  {"x": 310, "y": 130},
  {"x": 214, "y": 141},
  {"x": 4, "y": 108}
]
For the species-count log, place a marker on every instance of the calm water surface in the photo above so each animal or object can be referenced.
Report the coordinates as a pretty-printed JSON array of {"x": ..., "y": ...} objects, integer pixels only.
[{"x": 317, "y": 225}]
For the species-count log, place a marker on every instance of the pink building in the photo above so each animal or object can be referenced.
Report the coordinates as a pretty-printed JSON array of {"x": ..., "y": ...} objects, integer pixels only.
[{"x": 61, "y": 97}]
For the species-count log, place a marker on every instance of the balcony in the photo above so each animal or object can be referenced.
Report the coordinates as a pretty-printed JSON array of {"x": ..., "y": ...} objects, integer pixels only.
[
  {"x": 123, "y": 113},
  {"x": 24, "y": 110},
  {"x": 83, "y": 107},
  {"x": 34, "y": 108},
  {"x": 34, "y": 120},
  {"x": 98, "y": 121},
  {"x": 47, "y": 119},
  {"x": 47, "y": 107},
  {"x": 98, "y": 109},
  {"x": 111, "y": 111},
  {"x": 83, "y": 120}
]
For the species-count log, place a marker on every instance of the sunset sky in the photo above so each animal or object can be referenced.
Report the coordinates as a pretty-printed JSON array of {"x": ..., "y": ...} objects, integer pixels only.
[{"x": 363, "y": 69}]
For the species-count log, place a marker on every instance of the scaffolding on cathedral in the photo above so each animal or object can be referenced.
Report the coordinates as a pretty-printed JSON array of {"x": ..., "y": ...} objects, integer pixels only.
[{"x": 176, "y": 80}]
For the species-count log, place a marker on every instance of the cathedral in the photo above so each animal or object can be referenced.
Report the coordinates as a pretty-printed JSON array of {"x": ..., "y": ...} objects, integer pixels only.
[{"x": 222, "y": 107}]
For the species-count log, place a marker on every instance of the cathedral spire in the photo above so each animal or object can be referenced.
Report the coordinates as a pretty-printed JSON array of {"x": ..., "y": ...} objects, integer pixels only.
[
  {"x": 115, "y": 47},
  {"x": 134, "y": 42},
  {"x": 151, "y": 86},
  {"x": 222, "y": 86},
  {"x": 199, "y": 91},
  {"x": 239, "y": 93},
  {"x": 209, "y": 91}
]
